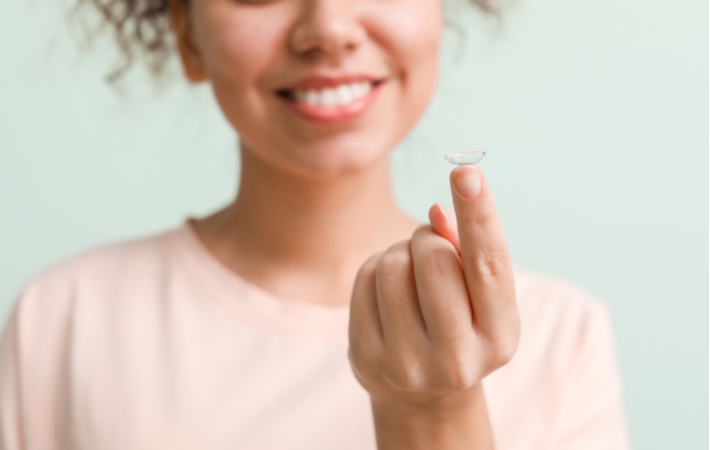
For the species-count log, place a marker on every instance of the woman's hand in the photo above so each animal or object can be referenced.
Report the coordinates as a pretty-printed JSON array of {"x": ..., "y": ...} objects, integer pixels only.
[{"x": 430, "y": 318}]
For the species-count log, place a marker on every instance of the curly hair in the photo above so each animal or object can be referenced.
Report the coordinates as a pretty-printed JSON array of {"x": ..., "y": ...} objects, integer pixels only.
[{"x": 141, "y": 28}]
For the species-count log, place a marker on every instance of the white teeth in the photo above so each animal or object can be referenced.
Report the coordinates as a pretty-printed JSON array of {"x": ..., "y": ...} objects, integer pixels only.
[
  {"x": 361, "y": 89},
  {"x": 345, "y": 94},
  {"x": 332, "y": 97},
  {"x": 328, "y": 97},
  {"x": 311, "y": 96}
]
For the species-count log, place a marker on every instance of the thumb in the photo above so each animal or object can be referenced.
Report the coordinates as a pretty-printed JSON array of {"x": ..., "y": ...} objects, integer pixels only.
[{"x": 443, "y": 222}]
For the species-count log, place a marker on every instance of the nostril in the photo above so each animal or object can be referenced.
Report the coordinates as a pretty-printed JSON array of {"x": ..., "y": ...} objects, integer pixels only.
[
  {"x": 285, "y": 94},
  {"x": 326, "y": 30}
]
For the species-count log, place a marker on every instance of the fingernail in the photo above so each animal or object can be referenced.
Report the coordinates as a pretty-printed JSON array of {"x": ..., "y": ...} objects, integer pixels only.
[{"x": 468, "y": 181}]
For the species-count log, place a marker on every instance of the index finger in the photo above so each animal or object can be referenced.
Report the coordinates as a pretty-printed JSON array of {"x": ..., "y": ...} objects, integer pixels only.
[{"x": 484, "y": 249}]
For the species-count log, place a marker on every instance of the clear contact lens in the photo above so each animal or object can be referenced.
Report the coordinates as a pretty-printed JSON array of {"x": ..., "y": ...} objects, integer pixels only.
[{"x": 465, "y": 158}]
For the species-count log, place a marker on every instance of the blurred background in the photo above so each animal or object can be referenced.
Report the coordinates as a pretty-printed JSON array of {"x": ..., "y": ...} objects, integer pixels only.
[{"x": 594, "y": 116}]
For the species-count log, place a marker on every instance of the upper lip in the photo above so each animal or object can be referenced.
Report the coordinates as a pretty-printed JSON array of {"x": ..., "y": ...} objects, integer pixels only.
[{"x": 322, "y": 81}]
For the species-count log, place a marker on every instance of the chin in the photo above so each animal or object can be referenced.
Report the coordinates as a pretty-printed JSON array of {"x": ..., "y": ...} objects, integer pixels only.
[
  {"x": 329, "y": 162},
  {"x": 326, "y": 157}
]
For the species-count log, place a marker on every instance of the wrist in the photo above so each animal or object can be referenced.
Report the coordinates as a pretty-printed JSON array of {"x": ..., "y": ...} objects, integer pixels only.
[{"x": 456, "y": 421}]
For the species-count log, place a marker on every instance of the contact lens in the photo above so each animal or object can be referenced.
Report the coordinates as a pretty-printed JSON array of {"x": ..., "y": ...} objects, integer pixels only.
[{"x": 465, "y": 158}]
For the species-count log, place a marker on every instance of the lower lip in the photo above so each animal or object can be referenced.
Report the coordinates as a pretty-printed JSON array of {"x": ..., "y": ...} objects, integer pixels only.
[{"x": 336, "y": 114}]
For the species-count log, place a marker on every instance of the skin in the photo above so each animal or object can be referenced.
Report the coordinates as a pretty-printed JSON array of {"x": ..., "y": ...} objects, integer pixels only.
[{"x": 433, "y": 313}]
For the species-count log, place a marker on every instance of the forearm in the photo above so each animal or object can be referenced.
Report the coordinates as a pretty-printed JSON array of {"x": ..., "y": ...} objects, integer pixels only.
[{"x": 453, "y": 427}]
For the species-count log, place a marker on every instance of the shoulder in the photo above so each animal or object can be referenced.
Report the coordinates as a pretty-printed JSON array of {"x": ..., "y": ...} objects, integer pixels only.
[
  {"x": 563, "y": 325},
  {"x": 551, "y": 299},
  {"x": 104, "y": 262},
  {"x": 107, "y": 262},
  {"x": 60, "y": 318},
  {"x": 564, "y": 372},
  {"x": 91, "y": 276},
  {"x": 567, "y": 347}
]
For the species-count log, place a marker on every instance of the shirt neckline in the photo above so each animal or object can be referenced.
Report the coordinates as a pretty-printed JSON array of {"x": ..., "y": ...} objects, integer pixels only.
[{"x": 248, "y": 302}]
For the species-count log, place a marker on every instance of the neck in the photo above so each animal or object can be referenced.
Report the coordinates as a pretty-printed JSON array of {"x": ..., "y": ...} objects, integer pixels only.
[{"x": 283, "y": 230}]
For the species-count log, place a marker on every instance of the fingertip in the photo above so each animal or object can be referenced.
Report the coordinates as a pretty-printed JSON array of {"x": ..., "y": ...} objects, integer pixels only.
[
  {"x": 443, "y": 222},
  {"x": 467, "y": 180},
  {"x": 436, "y": 215},
  {"x": 465, "y": 168},
  {"x": 442, "y": 219}
]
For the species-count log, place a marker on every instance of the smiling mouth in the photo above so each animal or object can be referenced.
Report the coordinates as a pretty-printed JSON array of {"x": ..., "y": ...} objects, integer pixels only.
[{"x": 330, "y": 97}]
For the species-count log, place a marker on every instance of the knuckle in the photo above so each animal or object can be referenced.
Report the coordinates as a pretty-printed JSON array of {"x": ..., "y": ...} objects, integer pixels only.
[
  {"x": 493, "y": 263},
  {"x": 393, "y": 261},
  {"x": 455, "y": 367},
  {"x": 406, "y": 376},
  {"x": 484, "y": 216},
  {"x": 497, "y": 362},
  {"x": 438, "y": 260},
  {"x": 368, "y": 268},
  {"x": 363, "y": 359},
  {"x": 460, "y": 372},
  {"x": 433, "y": 253},
  {"x": 507, "y": 343},
  {"x": 421, "y": 232},
  {"x": 503, "y": 350},
  {"x": 459, "y": 378}
]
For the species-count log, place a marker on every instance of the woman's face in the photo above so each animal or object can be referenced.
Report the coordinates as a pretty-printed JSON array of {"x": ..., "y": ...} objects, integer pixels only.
[{"x": 318, "y": 88}]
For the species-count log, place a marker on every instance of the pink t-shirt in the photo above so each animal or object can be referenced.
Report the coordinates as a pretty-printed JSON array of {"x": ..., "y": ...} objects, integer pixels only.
[{"x": 153, "y": 344}]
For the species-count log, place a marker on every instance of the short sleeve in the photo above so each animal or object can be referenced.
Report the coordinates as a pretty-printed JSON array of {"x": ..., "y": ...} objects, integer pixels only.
[
  {"x": 10, "y": 424},
  {"x": 33, "y": 370},
  {"x": 591, "y": 414}
]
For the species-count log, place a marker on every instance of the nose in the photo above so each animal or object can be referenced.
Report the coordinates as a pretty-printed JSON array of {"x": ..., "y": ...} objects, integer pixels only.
[{"x": 327, "y": 27}]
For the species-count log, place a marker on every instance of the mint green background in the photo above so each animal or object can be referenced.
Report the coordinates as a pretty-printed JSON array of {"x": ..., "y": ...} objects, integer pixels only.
[{"x": 594, "y": 115}]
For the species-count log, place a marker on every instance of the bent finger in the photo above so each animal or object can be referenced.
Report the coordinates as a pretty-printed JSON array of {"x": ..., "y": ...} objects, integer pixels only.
[
  {"x": 397, "y": 298},
  {"x": 442, "y": 289},
  {"x": 443, "y": 221},
  {"x": 365, "y": 326}
]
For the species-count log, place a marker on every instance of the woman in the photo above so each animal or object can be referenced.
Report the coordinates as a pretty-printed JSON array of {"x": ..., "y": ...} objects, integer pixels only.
[{"x": 311, "y": 313}]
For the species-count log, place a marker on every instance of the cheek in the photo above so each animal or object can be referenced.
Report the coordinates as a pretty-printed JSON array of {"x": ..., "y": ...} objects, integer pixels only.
[
  {"x": 236, "y": 46},
  {"x": 410, "y": 32}
]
